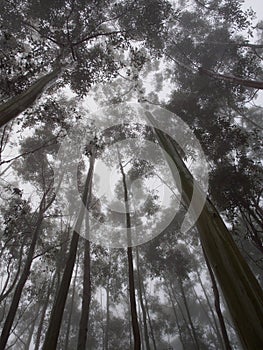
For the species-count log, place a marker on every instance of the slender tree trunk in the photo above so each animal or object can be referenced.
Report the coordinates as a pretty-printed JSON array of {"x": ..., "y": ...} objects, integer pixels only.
[
  {"x": 135, "y": 325},
  {"x": 66, "y": 346},
  {"x": 149, "y": 318},
  {"x": 52, "y": 334},
  {"x": 106, "y": 339},
  {"x": 86, "y": 297},
  {"x": 256, "y": 84},
  {"x": 240, "y": 288},
  {"x": 43, "y": 314},
  {"x": 144, "y": 316},
  {"x": 16, "y": 105},
  {"x": 188, "y": 313},
  {"x": 217, "y": 306},
  {"x": 23, "y": 278},
  {"x": 213, "y": 326},
  {"x": 182, "y": 312},
  {"x": 31, "y": 329},
  {"x": 176, "y": 318},
  {"x": 211, "y": 310}
]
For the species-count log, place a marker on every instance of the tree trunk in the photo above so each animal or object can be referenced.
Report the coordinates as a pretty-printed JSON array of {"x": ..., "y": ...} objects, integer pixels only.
[
  {"x": 52, "y": 334},
  {"x": 211, "y": 310},
  {"x": 66, "y": 345},
  {"x": 24, "y": 276},
  {"x": 43, "y": 314},
  {"x": 144, "y": 316},
  {"x": 86, "y": 297},
  {"x": 176, "y": 318},
  {"x": 106, "y": 338},
  {"x": 217, "y": 306},
  {"x": 180, "y": 282},
  {"x": 135, "y": 325},
  {"x": 256, "y": 84},
  {"x": 18, "y": 104},
  {"x": 149, "y": 318},
  {"x": 240, "y": 288}
]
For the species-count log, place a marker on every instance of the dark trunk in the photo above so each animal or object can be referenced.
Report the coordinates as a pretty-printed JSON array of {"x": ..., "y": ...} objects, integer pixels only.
[{"x": 52, "y": 334}]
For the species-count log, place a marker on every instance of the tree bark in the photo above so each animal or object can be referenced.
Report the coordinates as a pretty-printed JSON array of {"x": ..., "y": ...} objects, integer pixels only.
[
  {"x": 52, "y": 334},
  {"x": 16, "y": 105},
  {"x": 240, "y": 288}
]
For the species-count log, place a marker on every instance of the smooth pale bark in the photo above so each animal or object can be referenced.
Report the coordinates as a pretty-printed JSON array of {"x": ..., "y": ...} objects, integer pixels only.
[
  {"x": 52, "y": 334},
  {"x": 256, "y": 84},
  {"x": 240, "y": 288},
  {"x": 134, "y": 315},
  {"x": 24, "y": 275},
  {"x": 14, "y": 106}
]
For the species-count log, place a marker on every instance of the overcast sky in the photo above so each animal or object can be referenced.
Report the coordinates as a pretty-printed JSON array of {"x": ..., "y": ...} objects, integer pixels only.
[{"x": 257, "y": 6}]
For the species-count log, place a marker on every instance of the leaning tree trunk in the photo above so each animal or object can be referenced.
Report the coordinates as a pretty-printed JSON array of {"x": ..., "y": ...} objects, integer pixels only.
[
  {"x": 256, "y": 84},
  {"x": 24, "y": 276},
  {"x": 134, "y": 315},
  {"x": 16, "y": 105},
  {"x": 240, "y": 288},
  {"x": 52, "y": 334}
]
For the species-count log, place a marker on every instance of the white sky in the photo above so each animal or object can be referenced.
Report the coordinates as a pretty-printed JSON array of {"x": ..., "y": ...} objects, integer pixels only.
[{"x": 257, "y": 6}]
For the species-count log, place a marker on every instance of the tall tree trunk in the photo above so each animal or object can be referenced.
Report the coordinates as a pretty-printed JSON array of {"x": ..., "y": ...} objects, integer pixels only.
[
  {"x": 256, "y": 84},
  {"x": 52, "y": 334},
  {"x": 214, "y": 328},
  {"x": 135, "y": 325},
  {"x": 24, "y": 276},
  {"x": 86, "y": 297},
  {"x": 176, "y": 318},
  {"x": 18, "y": 104},
  {"x": 106, "y": 338},
  {"x": 43, "y": 314},
  {"x": 211, "y": 309},
  {"x": 181, "y": 286},
  {"x": 217, "y": 306},
  {"x": 182, "y": 312},
  {"x": 144, "y": 316},
  {"x": 31, "y": 328},
  {"x": 149, "y": 318},
  {"x": 240, "y": 288},
  {"x": 66, "y": 345}
]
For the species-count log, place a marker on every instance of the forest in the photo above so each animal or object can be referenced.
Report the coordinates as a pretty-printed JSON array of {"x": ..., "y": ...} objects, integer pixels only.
[{"x": 131, "y": 175}]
